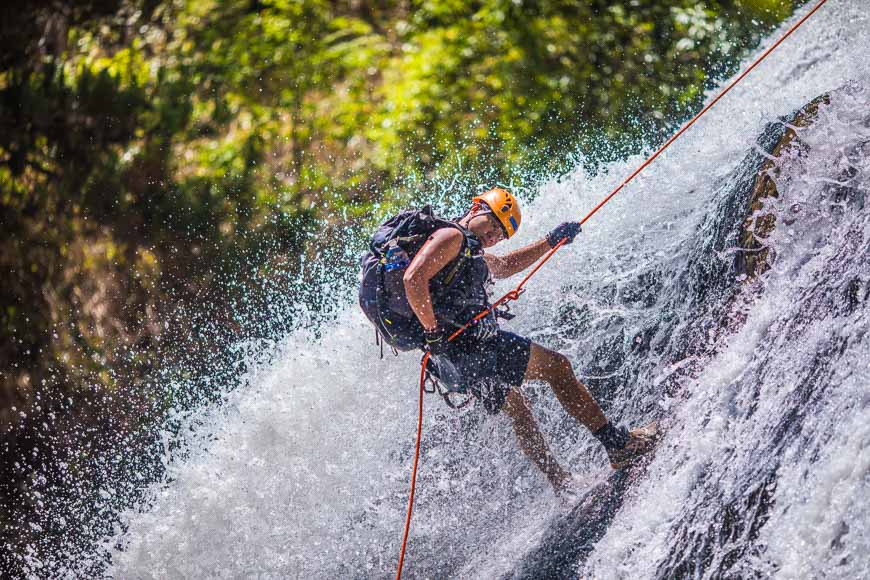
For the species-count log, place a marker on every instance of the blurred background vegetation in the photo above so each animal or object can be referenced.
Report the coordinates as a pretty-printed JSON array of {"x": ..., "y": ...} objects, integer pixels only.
[{"x": 161, "y": 158}]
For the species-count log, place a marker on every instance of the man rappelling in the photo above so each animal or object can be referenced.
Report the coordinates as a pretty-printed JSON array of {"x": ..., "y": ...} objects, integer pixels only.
[{"x": 426, "y": 277}]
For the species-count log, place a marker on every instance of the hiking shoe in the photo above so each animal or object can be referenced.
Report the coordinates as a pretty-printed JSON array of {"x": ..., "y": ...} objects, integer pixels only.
[{"x": 641, "y": 441}]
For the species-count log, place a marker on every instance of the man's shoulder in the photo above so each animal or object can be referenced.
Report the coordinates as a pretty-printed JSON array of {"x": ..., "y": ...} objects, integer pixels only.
[
  {"x": 447, "y": 233},
  {"x": 445, "y": 242}
]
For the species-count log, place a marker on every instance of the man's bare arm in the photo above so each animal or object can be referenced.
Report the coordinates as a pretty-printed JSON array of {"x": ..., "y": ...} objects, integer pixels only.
[
  {"x": 441, "y": 247},
  {"x": 516, "y": 261}
]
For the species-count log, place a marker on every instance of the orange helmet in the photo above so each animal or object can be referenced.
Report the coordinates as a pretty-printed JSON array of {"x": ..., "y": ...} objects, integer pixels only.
[{"x": 504, "y": 206}]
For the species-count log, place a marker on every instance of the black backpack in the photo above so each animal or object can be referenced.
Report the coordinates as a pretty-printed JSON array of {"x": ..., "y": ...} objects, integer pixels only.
[
  {"x": 405, "y": 232},
  {"x": 392, "y": 247}
]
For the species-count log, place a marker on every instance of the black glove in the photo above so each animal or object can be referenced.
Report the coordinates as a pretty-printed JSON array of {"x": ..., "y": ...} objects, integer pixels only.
[
  {"x": 435, "y": 341},
  {"x": 567, "y": 231},
  {"x": 485, "y": 328}
]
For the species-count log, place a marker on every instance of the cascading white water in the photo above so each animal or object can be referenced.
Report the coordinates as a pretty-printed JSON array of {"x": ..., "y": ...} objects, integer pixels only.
[{"x": 304, "y": 474}]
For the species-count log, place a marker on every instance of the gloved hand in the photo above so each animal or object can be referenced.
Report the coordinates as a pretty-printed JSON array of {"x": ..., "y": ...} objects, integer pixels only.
[
  {"x": 435, "y": 341},
  {"x": 485, "y": 328},
  {"x": 567, "y": 230}
]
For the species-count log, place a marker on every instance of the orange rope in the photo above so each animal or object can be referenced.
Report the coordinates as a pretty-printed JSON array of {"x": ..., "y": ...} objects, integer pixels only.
[
  {"x": 704, "y": 110},
  {"x": 414, "y": 470},
  {"x": 515, "y": 293}
]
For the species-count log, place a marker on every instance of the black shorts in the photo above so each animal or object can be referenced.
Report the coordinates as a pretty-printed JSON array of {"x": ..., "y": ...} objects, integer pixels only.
[{"x": 490, "y": 369}]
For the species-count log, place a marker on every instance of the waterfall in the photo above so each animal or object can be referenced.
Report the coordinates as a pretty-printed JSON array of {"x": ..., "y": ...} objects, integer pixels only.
[{"x": 759, "y": 380}]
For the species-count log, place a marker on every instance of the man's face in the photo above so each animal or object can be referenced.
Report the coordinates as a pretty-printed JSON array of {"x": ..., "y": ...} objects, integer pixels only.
[{"x": 486, "y": 227}]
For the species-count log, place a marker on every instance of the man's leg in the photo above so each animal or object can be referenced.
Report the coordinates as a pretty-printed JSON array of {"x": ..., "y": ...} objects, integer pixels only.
[
  {"x": 532, "y": 441},
  {"x": 622, "y": 446},
  {"x": 555, "y": 369}
]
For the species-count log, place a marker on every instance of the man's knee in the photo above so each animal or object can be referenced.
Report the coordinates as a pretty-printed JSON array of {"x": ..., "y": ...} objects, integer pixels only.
[
  {"x": 561, "y": 363},
  {"x": 548, "y": 364}
]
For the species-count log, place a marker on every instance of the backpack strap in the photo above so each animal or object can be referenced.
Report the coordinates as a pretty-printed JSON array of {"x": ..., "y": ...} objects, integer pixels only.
[{"x": 463, "y": 257}]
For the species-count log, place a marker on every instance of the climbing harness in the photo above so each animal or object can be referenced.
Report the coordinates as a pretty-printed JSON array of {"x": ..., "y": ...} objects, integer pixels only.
[
  {"x": 447, "y": 381},
  {"x": 516, "y": 292}
]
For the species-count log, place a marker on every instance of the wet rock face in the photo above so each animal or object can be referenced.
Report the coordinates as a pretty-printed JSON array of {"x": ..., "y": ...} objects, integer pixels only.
[
  {"x": 753, "y": 259},
  {"x": 729, "y": 254},
  {"x": 725, "y": 275}
]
